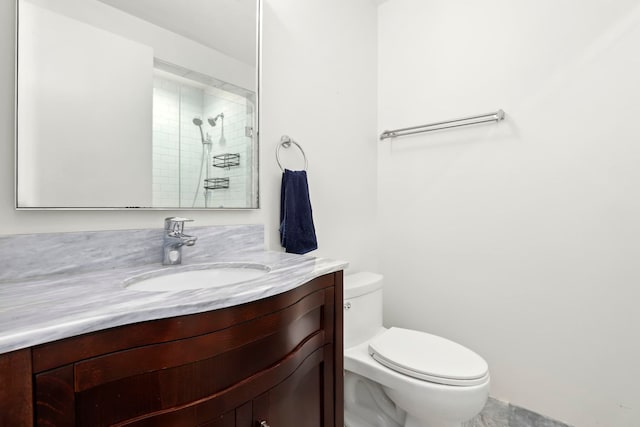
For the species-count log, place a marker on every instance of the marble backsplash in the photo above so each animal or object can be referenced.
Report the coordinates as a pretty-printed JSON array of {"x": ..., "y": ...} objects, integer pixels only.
[
  {"x": 33, "y": 255},
  {"x": 497, "y": 413}
]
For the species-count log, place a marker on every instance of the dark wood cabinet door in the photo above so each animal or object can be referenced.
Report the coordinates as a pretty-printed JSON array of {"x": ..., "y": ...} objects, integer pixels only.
[{"x": 299, "y": 400}]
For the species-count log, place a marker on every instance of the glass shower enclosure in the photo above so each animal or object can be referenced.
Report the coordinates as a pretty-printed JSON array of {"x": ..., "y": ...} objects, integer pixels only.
[{"x": 203, "y": 134}]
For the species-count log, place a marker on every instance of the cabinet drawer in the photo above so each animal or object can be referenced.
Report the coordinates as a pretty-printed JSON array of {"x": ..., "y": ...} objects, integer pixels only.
[{"x": 271, "y": 337}]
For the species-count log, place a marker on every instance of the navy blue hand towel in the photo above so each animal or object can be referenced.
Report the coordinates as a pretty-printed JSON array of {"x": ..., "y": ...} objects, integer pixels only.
[{"x": 297, "y": 233}]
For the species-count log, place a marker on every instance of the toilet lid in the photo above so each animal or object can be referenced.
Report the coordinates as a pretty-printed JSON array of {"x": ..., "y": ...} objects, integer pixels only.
[{"x": 428, "y": 357}]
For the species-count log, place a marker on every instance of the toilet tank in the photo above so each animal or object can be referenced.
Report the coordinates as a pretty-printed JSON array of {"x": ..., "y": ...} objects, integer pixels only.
[{"x": 362, "y": 307}]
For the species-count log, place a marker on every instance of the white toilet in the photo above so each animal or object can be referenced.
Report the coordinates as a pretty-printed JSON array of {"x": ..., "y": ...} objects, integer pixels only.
[{"x": 403, "y": 378}]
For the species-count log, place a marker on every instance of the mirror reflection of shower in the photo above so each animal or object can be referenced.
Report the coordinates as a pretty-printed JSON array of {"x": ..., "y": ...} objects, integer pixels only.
[
  {"x": 212, "y": 121},
  {"x": 203, "y": 146},
  {"x": 204, "y": 163},
  {"x": 206, "y": 158},
  {"x": 198, "y": 122}
]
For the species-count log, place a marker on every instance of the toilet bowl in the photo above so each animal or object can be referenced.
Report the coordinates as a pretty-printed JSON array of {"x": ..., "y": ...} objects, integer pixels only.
[{"x": 400, "y": 377}]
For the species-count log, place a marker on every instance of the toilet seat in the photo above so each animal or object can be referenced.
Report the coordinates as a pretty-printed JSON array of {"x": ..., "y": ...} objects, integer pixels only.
[{"x": 428, "y": 357}]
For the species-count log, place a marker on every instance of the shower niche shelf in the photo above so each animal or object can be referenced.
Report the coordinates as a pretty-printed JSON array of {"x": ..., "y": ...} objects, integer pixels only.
[
  {"x": 216, "y": 183},
  {"x": 226, "y": 160}
]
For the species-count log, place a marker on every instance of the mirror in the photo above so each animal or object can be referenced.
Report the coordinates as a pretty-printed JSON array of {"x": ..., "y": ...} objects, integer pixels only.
[{"x": 137, "y": 104}]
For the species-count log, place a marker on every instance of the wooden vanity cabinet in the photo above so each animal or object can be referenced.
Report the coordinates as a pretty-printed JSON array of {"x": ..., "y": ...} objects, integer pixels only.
[{"x": 277, "y": 360}]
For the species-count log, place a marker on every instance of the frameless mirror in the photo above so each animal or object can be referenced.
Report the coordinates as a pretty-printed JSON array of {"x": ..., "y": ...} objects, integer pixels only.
[{"x": 137, "y": 104}]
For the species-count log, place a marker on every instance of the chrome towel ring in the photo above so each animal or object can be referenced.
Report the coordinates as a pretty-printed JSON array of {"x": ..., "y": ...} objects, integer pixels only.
[{"x": 286, "y": 142}]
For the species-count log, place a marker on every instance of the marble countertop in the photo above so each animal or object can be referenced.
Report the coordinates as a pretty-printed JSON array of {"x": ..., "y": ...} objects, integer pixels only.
[{"x": 47, "y": 308}]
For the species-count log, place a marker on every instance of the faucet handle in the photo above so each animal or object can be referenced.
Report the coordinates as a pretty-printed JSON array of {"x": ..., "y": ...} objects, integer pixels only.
[{"x": 175, "y": 223}]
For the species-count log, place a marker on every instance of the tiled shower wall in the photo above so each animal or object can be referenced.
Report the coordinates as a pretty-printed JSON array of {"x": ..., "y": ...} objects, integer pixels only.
[
  {"x": 178, "y": 150},
  {"x": 229, "y": 136}
]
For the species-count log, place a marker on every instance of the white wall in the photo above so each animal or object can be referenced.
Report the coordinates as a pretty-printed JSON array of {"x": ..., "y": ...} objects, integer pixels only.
[
  {"x": 520, "y": 240},
  {"x": 318, "y": 85}
]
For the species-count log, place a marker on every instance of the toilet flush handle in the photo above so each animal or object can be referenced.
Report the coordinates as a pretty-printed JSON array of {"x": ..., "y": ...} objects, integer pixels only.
[
  {"x": 264, "y": 424},
  {"x": 347, "y": 305}
]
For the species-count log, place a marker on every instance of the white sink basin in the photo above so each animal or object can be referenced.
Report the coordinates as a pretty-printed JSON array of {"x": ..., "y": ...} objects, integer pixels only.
[{"x": 196, "y": 277}]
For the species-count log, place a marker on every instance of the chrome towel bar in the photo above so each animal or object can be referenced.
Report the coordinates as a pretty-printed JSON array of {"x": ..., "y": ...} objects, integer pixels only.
[{"x": 446, "y": 124}]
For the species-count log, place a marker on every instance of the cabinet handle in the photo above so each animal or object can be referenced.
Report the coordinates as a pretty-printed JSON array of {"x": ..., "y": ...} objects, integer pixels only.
[{"x": 264, "y": 424}]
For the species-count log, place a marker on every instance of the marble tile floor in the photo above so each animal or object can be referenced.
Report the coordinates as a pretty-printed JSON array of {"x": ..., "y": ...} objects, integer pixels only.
[{"x": 502, "y": 414}]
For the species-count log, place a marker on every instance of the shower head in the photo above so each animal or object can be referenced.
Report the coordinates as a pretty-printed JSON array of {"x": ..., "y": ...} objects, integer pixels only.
[
  {"x": 198, "y": 122},
  {"x": 212, "y": 120}
]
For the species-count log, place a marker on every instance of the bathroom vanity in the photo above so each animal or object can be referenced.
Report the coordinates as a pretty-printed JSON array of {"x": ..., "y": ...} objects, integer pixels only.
[
  {"x": 272, "y": 360},
  {"x": 265, "y": 352}
]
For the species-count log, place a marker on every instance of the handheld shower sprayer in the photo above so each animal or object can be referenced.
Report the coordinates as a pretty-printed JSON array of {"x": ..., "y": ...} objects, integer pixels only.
[{"x": 198, "y": 122}]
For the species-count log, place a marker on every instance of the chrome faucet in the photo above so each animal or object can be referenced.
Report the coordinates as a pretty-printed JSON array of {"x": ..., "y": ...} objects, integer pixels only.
[{"x": 174, "y": 239}]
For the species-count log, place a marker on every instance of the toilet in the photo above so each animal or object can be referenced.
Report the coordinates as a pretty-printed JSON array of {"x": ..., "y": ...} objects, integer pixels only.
[{"x": 400, "y": 377}]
